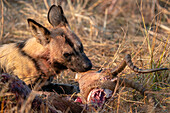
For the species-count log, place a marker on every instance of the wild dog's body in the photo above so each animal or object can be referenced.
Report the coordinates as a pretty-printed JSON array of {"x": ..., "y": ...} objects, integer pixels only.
[
  {"x": 15, "y": 60},
  {"x": 47, "y": 53}
]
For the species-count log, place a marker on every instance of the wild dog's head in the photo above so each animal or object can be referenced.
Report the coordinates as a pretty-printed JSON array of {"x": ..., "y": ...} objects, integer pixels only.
[{"x": 65, "y": 48}]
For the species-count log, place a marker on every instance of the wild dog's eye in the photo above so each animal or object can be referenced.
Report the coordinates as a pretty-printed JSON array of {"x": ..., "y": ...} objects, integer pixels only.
[
  {"x": 48, "y": 39},
  {"x": 66, "y": 55}
]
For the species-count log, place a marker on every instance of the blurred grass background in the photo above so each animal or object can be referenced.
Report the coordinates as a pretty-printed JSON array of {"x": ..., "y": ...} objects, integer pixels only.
[{"x": 108, "y": 29}]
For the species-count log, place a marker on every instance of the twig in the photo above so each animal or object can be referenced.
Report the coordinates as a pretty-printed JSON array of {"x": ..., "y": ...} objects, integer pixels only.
[
  {"x": 34, "y": 4},
  {"x": 163, "y": 10},
  {"x": 71, "y": 7},
  {"x": 52, "y": 2},
  {"x": 6, "y": 2},
  {"x": 28, "y": 101},
  {"x": 46, "y": 4},
  {"x": 163, "y": 27},
  {"x": 105, "y": 19},
  {"x": 95, "y": 5},
  {"x": 131, "y": 101},
  {"x": 89, "y": 19},
  {"x": 156, "y": 92},
  {"x": 113, "y": 4},
  {"x": 153, "y": 8},
  {"x": 2, "y": 20},
  {"x": 119, "y": 96},
  {"x": 158, "y": 36}
]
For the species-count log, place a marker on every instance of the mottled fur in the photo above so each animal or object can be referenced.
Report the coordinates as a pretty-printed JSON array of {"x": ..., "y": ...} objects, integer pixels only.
[
  {"x": 47, "y": 53},
  {"x": 14, "y": 62}
]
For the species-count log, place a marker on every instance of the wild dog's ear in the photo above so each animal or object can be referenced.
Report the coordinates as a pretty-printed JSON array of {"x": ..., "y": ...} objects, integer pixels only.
[
  {"x": 40, "y": 32},
  {"x": 56, "y": 16}
]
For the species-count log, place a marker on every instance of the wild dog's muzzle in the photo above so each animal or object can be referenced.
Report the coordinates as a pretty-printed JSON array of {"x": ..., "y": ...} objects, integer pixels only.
[
  {"x": 87, "y": 65},
  {"x": 80, "y": 64}
]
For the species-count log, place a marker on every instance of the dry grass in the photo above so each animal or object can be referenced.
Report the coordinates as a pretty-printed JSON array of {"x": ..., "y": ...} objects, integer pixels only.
[{"x": 108, "y": 30}]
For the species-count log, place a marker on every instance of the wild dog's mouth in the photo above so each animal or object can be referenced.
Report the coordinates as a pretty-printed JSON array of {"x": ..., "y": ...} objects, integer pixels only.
[
  {"x": 73, "y": 70},
  {"x": 78, "y": 69},
  {"x": 59, "y": 66},
  {"x": 80, "y": 65}
]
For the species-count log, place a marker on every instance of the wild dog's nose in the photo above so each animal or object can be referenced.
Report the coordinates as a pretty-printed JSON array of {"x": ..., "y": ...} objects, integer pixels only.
[{"x": 87, "y": 66}]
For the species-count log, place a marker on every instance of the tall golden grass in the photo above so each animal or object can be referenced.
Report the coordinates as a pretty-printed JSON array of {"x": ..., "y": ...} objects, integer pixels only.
[{"x": 108, "y": 29}]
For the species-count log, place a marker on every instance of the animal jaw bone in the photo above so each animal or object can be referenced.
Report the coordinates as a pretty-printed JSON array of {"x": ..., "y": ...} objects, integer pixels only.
[
  {"x": 93, "y": 84},
  {"x": 127, "y": 61}
]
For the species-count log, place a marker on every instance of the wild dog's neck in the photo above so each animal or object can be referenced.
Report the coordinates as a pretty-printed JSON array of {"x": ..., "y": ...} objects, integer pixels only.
[
  {"x": 38, "y": 54},
  {"x": 35, "y": 49}
]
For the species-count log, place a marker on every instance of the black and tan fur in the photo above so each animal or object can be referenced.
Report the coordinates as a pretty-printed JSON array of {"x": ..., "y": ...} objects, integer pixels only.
[{"x": 47, "y": 53}]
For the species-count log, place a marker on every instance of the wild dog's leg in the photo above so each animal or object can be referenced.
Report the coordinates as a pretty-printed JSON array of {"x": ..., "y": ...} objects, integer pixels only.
[
  {"x": 47, "y": 85},
  {"x": 128, "y": 61},
  {"x": 60, "y": 88}
]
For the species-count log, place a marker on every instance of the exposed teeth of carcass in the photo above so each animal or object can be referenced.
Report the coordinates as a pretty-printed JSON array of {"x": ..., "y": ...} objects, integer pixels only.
[
  {"x": 99, "y": 96},
  {"x": 108, "y": 93},
  {"x": 114, "y": 79}
]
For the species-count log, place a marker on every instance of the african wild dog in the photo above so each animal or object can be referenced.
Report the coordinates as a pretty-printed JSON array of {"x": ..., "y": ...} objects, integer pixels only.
[{"x": 47, "y": 53}]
